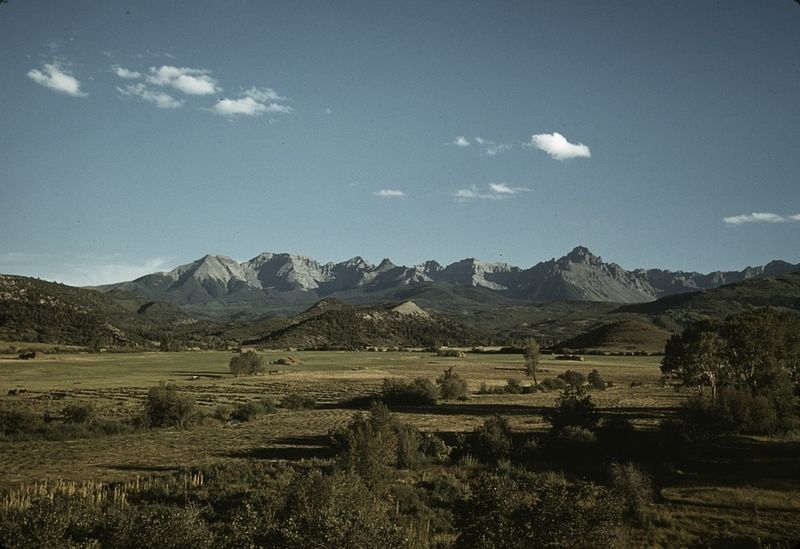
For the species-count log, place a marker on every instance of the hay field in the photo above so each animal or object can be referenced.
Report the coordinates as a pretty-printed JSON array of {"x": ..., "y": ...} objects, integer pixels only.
[{"x": 118, "y": 383}]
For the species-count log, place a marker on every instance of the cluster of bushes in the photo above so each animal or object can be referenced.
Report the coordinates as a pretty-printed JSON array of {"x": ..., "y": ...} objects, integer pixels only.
[
  {"x": 76, "y": 421},
  {"x": 245, "y": 411},
  {"x": 448, "y": 386},
  {"x": 572, "y": 380}
]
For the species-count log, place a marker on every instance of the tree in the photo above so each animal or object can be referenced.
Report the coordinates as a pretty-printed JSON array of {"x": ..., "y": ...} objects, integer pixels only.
[
  {"x": 246, "y": 364},
  {"x": 694, "y": 357},
  {"x": 531, "y": 359},
  {"x": 748, "y": 362}
]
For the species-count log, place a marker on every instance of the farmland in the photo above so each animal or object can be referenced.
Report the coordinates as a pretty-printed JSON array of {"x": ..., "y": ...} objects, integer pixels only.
[{"x": 745, "y": 484}]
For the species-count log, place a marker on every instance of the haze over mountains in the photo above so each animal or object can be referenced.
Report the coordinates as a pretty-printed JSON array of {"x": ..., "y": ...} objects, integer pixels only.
[{"x": 280, "y": 283}]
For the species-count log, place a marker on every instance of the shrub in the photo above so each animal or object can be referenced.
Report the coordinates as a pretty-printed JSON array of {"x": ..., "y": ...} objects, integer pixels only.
[
  {"x": 574, "y": 379},
  {"x": 245, "y": 411},
  {"x": 492, "y": 441},
  {"x": 552, "y": 384},
  {"x": 452, "y": 386},
  {"x": 634, "y": 488},
  {"x": 246, "y": 364},
  {"x": 573, "y": 410},
  {"x": 336, "y": 511},
  {"x": 596, "y": 381},
  {"x": 15, "y": 422},
  {"x": 513, "y": 387},
  {"x": 576, "y": 438},
  {"x": 518, "y": 509},
  {"x": 78, "y": 413},
  {"x": 164, "y": 407},
  {"x": 420, "y": 391},
  {"x": 371, "y": 443},
  {"x": 734, "y": 411},
  {"x": 296, "y": 401},
  {"x": 167, "y": 526}
]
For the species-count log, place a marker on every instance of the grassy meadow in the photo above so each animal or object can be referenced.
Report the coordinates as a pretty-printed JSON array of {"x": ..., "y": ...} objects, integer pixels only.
[{"x": 748, "y": 486}]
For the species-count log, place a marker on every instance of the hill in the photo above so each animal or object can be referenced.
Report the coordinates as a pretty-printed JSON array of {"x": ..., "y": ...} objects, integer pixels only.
[
  {"x": 674, "y": 312},
  {"x": 33, "y": 310},
  {"x": 621, "y": 335},
  {"x": 339, "y": 325}
]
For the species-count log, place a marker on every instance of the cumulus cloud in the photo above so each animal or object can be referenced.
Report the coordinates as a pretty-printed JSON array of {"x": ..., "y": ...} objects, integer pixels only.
[
  {"x": 184, "y": 79},
  {"x": 56, "y": 78},
  {"x": 461, "y": 141},
  {"x": 160, "y": 99},
  {"x": 253, "y": 102},
  {"x": 760, "y": 217},
  {"x": 496, "y": 191},
  {"x": 557, "y": 146},
  {"x": 127, "y": 74},
  {"x": 390, "y": 193}
]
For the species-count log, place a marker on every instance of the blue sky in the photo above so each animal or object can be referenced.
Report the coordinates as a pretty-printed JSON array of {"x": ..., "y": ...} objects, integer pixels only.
[{"x": 135, "y": 136}]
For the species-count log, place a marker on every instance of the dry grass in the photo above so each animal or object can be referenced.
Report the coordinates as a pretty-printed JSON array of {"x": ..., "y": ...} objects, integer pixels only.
[{"x": 761, "y": 506}]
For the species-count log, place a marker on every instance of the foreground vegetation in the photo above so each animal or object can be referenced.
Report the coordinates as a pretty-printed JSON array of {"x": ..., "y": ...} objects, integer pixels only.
[{"x": 474, "y": 451}]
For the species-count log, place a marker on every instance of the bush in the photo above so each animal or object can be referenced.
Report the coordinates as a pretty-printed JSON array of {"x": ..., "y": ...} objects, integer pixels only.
[
  {"x": 734, "y": 411},
  {"x": 78, "y": 413},
  {"x": 296, "y": 401},
  {"x": 634, "y": 488},
  {"x": 573, "y": 410},
  {"x": 372, "y": 443},
  {"x": 16, "y": 422},
  {"x": 452, "y": 386},
  {"x": 167, "y": 526},
  {"x": 249, "y": 363},
  {"x": 552, "y": 384},
  {"x": 164, "y": 407},
  {"x": 574, "y": 379},
  {"x": 596, "y": 381},
  {"x": 576, "y": 439},
  {"x": 492, "y": 441},
  {"x": 513, "y": 387},
  {"x": 245, "y": 411},
  {"x": 336, "y": 511},
  {"x": 420, "y": 391},
  {"x": 517, "y": 510}
]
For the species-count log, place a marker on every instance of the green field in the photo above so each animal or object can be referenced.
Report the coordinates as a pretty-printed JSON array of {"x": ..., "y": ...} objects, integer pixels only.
[{"x": 720, "y": 489}]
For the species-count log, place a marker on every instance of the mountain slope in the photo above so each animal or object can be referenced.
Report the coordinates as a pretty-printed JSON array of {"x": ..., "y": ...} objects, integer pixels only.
[
  {"x": 284, "y": 284},
  {"x": 46, "y": 312},
  {"x": 332, "y": 324}
]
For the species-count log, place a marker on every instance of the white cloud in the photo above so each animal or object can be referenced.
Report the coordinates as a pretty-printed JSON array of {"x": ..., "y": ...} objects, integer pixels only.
[
  {"x": 492, "y": 148},
  {"x": 390, "y": 193},
  {"x": 557, "y": 146},
  {"x": 187, "y": 80},
  {"x": 503, "y": 188},
  {"x": 122, "y": 72},
  {"x": 497, "y": 191},
  {"x": 760, "y": 217},
  {"x": 160, "y": 99},
  {"x": 54, "y": 77},
  {"x": 253, "y": 102},
  {"x": 461, "y": 141},
  {"x": 263, "y": 94}
]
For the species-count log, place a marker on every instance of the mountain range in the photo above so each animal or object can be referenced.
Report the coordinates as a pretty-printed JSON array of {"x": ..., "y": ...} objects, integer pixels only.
[{"x": 282, "y": 283}]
